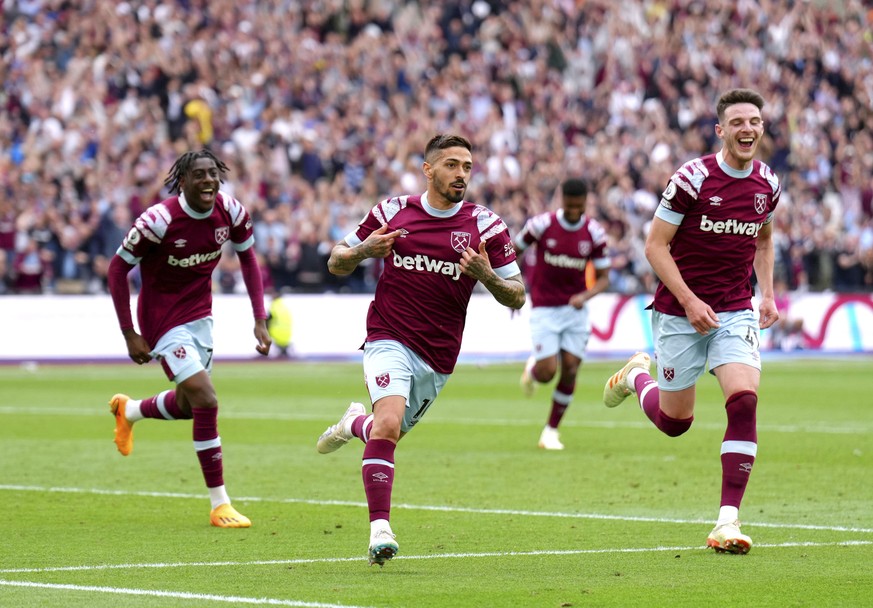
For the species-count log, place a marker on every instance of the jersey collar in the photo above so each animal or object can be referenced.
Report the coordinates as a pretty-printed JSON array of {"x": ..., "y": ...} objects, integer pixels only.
[
  {"x": 439, "y": 212},
  {"x": 197, "y": 215},
  {"x": 719, "y": 158}
]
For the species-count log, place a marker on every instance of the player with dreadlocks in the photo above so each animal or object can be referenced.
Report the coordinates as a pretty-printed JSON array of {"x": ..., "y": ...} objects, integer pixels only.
[
  {"x": 184, "y": 163},
  {"x": 177, "y": 244}
]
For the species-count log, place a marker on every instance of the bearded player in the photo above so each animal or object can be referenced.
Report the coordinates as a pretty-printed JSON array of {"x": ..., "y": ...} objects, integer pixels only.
[{"x": 436, "y": 247}]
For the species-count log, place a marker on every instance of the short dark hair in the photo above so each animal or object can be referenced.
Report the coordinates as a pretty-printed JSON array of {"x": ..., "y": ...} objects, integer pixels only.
[
  {"x": 442, "y": 141},
  {"x": 183, "y": 165},
  {"x": 574, "y": 187},
  {"x": 735, "y": 96}
]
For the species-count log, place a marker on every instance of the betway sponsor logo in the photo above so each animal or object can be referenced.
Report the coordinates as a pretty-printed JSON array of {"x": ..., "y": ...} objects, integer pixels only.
[
  {"x": 730, "y": 226},
  {"x": 564, "y": 261},
  {"x": 424, "y": 263},
  {"x": 193, "y": 260}
]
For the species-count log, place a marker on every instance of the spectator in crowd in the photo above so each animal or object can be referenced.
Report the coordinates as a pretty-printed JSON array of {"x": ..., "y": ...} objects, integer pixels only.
[
  {"x": 30, "y": 268},
  {"x": 787, "y": 333},
  {"x": 7, "y": 238}
]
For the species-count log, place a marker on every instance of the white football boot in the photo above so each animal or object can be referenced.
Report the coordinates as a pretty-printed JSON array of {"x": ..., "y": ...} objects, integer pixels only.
[
  {"x": 617, "y": 389},
  {"x": 550, "y": 439},
  {"x": 727, "y": 538},
  {"x": 383, "y": 544},
  {"x": 526, "y": 382},
  {"x": 337, "y": 435}
]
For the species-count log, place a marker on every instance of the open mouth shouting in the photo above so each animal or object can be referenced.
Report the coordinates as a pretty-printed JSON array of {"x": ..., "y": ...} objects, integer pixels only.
[
  {"x": 746, "y": 144},
  {"x": 207, "y": 195}
]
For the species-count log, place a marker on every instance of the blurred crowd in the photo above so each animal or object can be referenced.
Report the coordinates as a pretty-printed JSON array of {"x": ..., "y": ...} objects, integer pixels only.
[{"x": 321, "y": 108}]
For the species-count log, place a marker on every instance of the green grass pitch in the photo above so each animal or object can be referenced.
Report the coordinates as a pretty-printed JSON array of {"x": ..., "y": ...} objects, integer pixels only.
[{"x": 483, "y": 517}]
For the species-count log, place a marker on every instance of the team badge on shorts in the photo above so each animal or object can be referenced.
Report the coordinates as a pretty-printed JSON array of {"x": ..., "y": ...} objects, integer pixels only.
[
  {"x": 460, "y": 241},
  {"x": 180, "y": 352},
  {"x": 669, "y": 374},
  {"x": 383, "y": 380}
]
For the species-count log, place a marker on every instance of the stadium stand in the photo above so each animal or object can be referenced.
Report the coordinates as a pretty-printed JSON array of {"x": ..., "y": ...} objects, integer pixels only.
[{"x": 321, "y": 108}]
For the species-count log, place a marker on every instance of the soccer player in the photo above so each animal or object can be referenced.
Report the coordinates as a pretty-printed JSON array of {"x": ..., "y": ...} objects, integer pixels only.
[
  {"x": 436, "y": 247},
  {"x": 560, "y": 328},
  {"x": 712, "y": 228},
  {"x": 177, "y": 244}
]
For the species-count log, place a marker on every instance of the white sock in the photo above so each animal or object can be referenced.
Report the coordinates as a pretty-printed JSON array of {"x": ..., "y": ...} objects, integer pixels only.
[
  {"x": 632, "y": 377},
  {"x": 727, "y": 515},
  {"x": 132, "y": 410},
  {"x": 218, "y": 496},
  {"x": 379, "y": 524}
]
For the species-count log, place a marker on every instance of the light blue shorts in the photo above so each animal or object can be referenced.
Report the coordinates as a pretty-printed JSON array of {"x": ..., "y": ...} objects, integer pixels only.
[
  {"x": 391, "y": 368},
  {"x": 557, "y": 328},
  {"x": 186, "y": 350},
  {"x": 682, "y": 353}
]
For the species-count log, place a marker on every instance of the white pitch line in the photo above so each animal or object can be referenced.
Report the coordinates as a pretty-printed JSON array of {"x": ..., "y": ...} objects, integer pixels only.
[
  {"x": 438, "y": 508},
  {"x": 230, "y": 599},
  {"x": 851, "y": 428},
  {"x": 335, "y": 560}
]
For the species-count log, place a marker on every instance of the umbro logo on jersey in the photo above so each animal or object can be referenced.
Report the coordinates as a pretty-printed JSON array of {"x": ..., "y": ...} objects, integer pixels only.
[
  {"x": 180, "y": 243},
  {"x": 715, "y": 201}
]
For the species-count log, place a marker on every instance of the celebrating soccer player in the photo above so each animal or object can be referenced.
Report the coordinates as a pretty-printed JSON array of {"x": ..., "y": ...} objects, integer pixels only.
[
  {"x": 711, "y": 230},
  {"x": 566, "y": 240},
  {"x": 177, "y": 244},
  {"x": 436, "y": 246}
]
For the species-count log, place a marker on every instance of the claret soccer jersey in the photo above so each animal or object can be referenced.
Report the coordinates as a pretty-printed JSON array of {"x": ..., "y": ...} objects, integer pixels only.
[
  {"x": 719, "y": 211},
  {"x": 427, "y": 255},
  {"x": 184, "y": 247},
  {"x": 562, "y": 252}
]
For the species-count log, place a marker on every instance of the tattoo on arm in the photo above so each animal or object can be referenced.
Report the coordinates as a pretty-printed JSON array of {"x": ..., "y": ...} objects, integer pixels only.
[
  {"x": 509, "y": 292},
  {"x": 343, "y": 260}
]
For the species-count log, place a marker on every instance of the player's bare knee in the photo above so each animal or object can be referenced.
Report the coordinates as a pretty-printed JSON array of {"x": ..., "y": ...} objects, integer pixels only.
[
  {"x": 201, "y": 396},
  {"x": 386, "y": 429}
]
